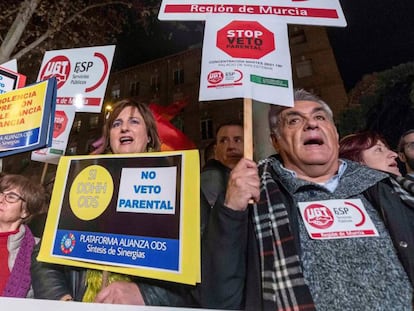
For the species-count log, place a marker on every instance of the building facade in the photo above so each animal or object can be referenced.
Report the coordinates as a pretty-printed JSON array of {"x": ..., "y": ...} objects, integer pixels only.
[{"x": 177, "y": 77}]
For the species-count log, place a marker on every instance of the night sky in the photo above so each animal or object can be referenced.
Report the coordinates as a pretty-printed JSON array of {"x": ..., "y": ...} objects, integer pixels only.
[{"x": 379, "y": 35}]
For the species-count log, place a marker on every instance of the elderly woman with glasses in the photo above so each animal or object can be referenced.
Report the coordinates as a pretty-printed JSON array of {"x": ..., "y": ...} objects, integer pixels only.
[{"x": 20, "y": 200}]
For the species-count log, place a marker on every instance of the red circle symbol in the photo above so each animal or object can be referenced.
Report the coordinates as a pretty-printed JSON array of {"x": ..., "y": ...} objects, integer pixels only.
[
  {"x": 245, "y": 39},
  {"x": 59, "y": 67},
  {"x": 61, "y": 121},
  {"x": 362, "y": 221},
  {"x": 318, "y": 216},
  {"x": 215, "y": 77}
]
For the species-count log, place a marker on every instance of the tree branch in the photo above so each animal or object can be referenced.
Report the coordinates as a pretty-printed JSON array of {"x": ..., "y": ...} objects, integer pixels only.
[
  {"x": 93, "y": 6},
  {"x": 16, "y": 30},
  {"x": 32, "y": 45},
  {"x": 5, "y": 53}
]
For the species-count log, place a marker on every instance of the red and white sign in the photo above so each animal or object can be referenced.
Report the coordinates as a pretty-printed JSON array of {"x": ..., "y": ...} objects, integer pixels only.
[
  {"x": 245, "y": 59},
  {"x": 10, "y": 80},
  {"x": 337, "y": 219},
  {"x": 64, "y": 117},
  {"x": 318, "y": 216},
  {"x": 60, "y": 124},
  {"x": 59, "y": 67},
  {"x": 245, "y": 39},
  {"x": 301, "y": 12},
  {"x": 82, "y": 75},
  {"x": 215, "y": 77}
]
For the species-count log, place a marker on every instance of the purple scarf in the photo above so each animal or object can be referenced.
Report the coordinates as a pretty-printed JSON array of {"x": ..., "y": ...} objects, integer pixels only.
[{"x": 19, "y": 281}]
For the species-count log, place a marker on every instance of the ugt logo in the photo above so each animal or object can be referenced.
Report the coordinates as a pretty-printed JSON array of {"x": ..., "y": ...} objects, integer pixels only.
[
  {"x": 59, "y": 67},
  {"x": 318, "y": 216}
]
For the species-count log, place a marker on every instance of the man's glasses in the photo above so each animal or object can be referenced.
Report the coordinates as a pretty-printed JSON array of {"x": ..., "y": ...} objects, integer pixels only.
[{"x": 11, "y": 197}]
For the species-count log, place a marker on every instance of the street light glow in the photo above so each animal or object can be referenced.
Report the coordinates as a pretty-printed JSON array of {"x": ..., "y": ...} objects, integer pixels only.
[{"x": 78, "y": 102}]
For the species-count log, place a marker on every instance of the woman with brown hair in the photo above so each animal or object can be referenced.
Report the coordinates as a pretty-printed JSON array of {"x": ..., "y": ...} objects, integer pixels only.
[
  {"x": 130, "y": 128},
  {"x": 370, "y": 149},
  {"x": 20, "y": 200}
]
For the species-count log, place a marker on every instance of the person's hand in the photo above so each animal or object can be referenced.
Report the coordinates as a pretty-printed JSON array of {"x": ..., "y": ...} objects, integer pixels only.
[
  {"x": 121, "y": 292},
  {"x": 66, "y": 297},
  {"x": 243, "y": 185}
]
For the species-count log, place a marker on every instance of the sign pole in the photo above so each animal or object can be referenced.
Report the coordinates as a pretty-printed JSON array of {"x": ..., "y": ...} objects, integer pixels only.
[
  {"x": 248, "y": 128},
  {"x": 42, "y": 179}
]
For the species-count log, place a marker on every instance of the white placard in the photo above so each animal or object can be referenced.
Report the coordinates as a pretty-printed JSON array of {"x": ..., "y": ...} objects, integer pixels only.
[
  {"x": 304, "y": 12},
  {"x": 244, "y": 58},
  {"x": 82, "y": 75},
  {"x": 147, "y": 190},
  {"x": 11, "y": 65}
]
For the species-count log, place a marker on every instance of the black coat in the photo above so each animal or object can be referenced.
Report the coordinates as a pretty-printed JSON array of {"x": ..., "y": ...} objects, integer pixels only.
[{"x": 51, "y": 281}]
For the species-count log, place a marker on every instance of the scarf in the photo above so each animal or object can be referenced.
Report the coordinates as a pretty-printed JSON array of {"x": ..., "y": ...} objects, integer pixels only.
[
  {"x": 19, "y": 282},
  {"x": 405, "y": 188},
  {"x": 283, "y": 284}
]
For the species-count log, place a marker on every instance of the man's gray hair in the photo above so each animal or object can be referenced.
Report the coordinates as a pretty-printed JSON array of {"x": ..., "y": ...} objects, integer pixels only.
[{"x": 298, "y": 95}]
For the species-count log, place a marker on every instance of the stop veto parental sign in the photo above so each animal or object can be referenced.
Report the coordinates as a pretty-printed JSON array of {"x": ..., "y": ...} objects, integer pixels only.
[
  {"x": 61, "y": 121},
  {"x": 245, "y": 39}
]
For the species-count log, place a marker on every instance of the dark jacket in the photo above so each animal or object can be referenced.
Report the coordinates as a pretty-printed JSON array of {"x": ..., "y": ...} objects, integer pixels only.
[
  {"x": 230, "y": 256},
  {"x": 213, "y": 180},
  {"x": 51, "y": 281}
]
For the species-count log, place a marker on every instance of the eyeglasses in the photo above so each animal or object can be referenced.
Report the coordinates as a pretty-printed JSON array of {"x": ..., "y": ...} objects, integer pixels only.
[{"x": 11, "y": 197}]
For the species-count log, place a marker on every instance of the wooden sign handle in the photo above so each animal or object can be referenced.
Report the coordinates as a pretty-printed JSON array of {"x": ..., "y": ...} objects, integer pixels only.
[
  {"x": 42, "y": 178},
  {"x": 248, "y": 131},
  {"x": 248, "y": 128}
]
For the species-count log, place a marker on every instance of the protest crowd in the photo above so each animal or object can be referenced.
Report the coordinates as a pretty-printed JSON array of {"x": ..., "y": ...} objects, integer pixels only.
[
  {"x": 324, "y": 223},
  {"x": 263, "y": 245}
]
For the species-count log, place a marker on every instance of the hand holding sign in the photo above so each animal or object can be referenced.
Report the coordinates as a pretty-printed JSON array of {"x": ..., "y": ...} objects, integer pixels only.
[
  {"x": 120, "y": 214},
  {"x": 121, "y": 293}
]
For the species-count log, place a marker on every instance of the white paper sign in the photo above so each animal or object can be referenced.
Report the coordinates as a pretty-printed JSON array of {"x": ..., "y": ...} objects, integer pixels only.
[
  {"x": 245, "y": 58},
  {"x": 82, "y": 75},
  {"x": 147, "y": 190},
  {"x": 304, "y": 12},
  {"x": 337, "y": 219}
]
